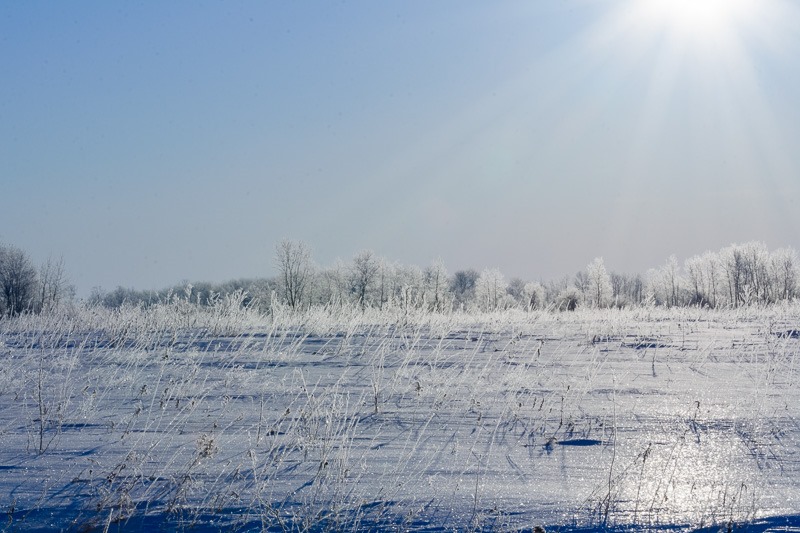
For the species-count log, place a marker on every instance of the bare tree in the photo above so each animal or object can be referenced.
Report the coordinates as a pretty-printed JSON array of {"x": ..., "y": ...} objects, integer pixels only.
[
  {"x": 17, "y": 280},
  {"x": 293, "y": 260}
]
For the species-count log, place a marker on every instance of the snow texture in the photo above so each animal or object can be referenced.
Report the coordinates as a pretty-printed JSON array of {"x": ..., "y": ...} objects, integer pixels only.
[{"x": 592, "y": 420}]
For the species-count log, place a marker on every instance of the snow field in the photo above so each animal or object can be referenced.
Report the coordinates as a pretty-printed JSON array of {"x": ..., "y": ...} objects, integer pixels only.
[{"x": 178, "y": 417}]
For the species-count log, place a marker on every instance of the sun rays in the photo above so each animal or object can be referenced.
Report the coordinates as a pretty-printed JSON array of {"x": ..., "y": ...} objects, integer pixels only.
[
  {"x": 699, "y": 20},
  {"x": 705, "y": 122}
]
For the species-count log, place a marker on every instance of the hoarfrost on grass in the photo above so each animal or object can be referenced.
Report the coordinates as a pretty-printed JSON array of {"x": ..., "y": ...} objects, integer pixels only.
[{"x": 176, "y": 417}]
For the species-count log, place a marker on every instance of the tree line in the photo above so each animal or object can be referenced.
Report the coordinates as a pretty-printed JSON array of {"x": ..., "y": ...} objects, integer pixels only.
[
  {"x": 737, "y": 275},
  {"x": 26, "y": 288}
]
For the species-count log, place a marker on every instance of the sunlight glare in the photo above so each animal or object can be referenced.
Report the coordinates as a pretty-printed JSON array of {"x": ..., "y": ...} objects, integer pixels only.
[{"x": 700, "y": 20}]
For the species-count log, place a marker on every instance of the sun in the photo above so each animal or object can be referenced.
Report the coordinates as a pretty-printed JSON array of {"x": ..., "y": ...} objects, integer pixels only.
[{"x": 698, "y": 21}]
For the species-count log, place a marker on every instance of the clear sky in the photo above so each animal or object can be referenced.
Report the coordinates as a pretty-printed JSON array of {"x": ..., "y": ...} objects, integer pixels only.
[{"x": 151, "y": 142}]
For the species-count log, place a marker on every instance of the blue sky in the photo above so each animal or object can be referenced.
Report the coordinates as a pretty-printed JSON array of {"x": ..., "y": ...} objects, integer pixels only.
[{"x": 153, "y": 142}]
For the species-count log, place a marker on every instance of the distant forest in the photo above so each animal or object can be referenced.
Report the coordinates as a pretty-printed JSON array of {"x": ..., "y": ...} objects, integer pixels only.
[{"x": 738, "y": 275}]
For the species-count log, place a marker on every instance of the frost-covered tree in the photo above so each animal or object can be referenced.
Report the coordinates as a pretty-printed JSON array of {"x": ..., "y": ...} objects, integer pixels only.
[
  {"x": 581, "y": 282},
  {"x": 713, "y": 277},
  {"x": 293, "y": 261},
  {"x": 756, "y": 275},
  {"x": 627, "y": 289},
  {"x": 733, "y": 267},
  {"x": 386, "y": 274},
  {"x": 568, "y": 299},
  {"x": 435, "y": 278},
  {"x": 784, "y": 273},
  {"x": 363, "y": 276},
  {"x": 703, "y": 279},
  {"x": 598, "y": 284},
  {"x": 665, "y": 285},
  {"x": 490, "y": 289},
  {"x": 127, "y": 296},
  {"x": 332, "y": 284},
  {"x": 54, "y": 288},
  {"x": 462, "y": 287},
  {"x": 534, "y": 296},
  {"x": 516, "y": 290},
  {"x": 408, "y": 287},
  {"x": 18, "y": 280},
  {"x": 672, "y": 281},
  {"x": 739, "y": 274},
  {"x": 554, "y": 288},
  {"x": 696, "y": 280}
]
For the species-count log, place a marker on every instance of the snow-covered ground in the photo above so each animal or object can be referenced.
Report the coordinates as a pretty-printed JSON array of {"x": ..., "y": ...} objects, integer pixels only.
[{"x": 135, "y": 420}]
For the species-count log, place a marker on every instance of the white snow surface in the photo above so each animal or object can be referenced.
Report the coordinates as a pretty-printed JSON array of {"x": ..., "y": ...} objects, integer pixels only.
[{"x": 593, "y": 420}]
